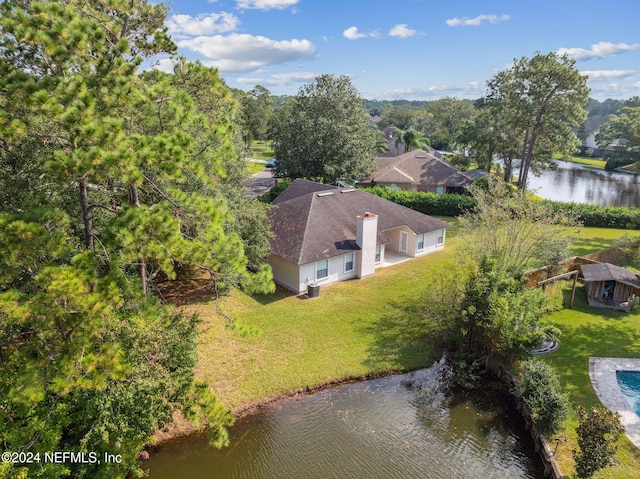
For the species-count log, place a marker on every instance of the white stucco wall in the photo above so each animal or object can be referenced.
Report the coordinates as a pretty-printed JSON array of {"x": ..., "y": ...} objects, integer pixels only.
[
  {"x": 430, "y": 242},
  {"x": 285, "y": 273},
  {"x": 296, "y": 278},
  {"x": 394, "y": 236}
]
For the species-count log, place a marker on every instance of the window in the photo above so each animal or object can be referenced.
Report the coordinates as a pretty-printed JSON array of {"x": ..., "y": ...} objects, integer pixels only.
[
  {"x": 440, "y": 239},
  {"x": 378, "y": 253},
  {"x": 420, "y": 243},
  {"x": 322, "y": 269},
  {"x": 440, "y": 189},
  {"x": 348, "y": 262}
]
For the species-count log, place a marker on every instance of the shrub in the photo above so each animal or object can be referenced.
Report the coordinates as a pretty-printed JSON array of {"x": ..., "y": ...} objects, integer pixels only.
[
  {"x": 275, "y": 190},
  {"x": 427, "y": 203},
  {"x": 540, "y": 389},
  {"x": 456, "y": 205},
  {"x": 598, "y": 432}
]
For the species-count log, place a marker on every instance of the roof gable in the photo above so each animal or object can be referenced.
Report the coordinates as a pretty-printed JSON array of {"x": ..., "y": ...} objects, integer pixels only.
[
  {"x": 421, "y": 167},
  {"x": 322, "y": 223}
]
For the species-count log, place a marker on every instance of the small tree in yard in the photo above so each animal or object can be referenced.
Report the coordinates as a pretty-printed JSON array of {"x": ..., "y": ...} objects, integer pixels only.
[
  {"x": 598, "y": 432},
  {"x": 540, "y": 389}
]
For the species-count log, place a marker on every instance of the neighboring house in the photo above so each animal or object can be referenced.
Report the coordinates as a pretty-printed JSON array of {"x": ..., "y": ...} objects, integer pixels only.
[
  {"x": 324, "y": 234},
  {"x": 417, "y": 170}
]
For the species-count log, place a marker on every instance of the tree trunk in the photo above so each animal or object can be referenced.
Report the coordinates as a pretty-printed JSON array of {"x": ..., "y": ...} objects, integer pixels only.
[
  {"x": 142, "y": 264},
  {"x": 86, "y": 213},
  {"x": 508, "y": 166},
  {"x": 522, "y": 160}
]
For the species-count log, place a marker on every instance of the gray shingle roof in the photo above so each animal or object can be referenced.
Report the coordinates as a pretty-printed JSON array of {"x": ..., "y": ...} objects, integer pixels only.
[
  {"x": 417, "y": 167},
  {"x": 314, "y": 221},
  {"x": 609, "y": 272}
]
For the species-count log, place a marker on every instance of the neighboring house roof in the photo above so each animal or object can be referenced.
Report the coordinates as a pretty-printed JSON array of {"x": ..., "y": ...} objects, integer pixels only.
[
  {"x": 314, "y": 221},
  {"x": 417, "y": 167},
  {"x": 609, "y": 272},
  {"x": 476, "y": 173}
]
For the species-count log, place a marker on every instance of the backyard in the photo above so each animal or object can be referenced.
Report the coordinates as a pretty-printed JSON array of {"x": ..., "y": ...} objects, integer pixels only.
[{"x": 282, "y": 343}]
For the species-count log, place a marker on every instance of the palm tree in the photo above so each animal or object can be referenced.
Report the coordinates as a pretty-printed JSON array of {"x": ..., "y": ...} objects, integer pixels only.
[{"x": 411, "y": 139}]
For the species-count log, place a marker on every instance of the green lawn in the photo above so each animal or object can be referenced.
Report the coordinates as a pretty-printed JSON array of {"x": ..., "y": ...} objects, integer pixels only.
[
  {"x": 282, "y": 343},
  {"x": 592, "y": 162},
  {"x": 254, "y": 167},
  {"x": 588, "y": 332}
]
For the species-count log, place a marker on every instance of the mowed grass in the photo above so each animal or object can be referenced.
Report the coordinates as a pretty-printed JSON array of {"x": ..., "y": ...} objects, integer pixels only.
[
  {"x": 282, "y": 342},
  {"x": 589, "y": 332},
  {"x": 591, "y": 240},
  {"x": 591, "y": 162}
]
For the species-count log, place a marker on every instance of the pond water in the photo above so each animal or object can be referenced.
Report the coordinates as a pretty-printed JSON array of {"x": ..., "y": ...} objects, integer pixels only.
[
  {"x": 580, "y": 184},
  {"x": 399, "y": 426}
]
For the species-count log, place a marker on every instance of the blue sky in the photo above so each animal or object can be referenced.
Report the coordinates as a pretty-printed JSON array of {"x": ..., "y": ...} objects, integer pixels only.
[{"x": 410, "y": 49}]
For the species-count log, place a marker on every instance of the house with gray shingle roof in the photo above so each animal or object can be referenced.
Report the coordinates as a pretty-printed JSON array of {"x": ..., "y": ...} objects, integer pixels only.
[
  {"x": 418, "y": 170},
  {"x": 324, "y": 234}
]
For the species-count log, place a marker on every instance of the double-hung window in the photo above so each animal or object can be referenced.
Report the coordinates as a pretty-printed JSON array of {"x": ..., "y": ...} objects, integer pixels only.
[
  {"x": 378, "y": 253},
  {"x": 322, "y": 269},
  {"x": 440, "y": 238},
  {"x": 420, "y": 243},
  {"x": 348, "y": 262}
]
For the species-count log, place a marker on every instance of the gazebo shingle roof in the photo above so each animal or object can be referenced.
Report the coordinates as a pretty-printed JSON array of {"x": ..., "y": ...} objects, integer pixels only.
[{"x": 609, "y": 272}]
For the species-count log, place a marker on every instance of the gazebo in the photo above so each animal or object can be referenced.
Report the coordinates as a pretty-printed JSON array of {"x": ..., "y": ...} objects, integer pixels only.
[{"x": 609, "y": 286}]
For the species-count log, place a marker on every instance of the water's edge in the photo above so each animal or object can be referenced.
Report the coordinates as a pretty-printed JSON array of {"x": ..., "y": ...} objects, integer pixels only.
[{"x": 541, "y": 444}]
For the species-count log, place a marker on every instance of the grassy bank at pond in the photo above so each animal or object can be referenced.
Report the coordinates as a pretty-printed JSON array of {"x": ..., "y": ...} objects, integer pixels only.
[
  {"x": 597, "y": 163},
  {"x": 282, "y": 342}
]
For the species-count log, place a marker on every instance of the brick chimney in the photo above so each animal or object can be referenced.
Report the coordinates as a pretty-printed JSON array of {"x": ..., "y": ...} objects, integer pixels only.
[{"x": 366, "y": 235}]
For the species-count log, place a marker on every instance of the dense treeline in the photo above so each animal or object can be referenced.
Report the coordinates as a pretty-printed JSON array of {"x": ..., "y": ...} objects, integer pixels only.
[{"x": 110, "y": 180}]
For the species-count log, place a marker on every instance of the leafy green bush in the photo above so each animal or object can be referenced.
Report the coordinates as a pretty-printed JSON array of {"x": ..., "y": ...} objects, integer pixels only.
[
  {"x": 540, "y": 389},
  {"x": 598, "y": 432},
  {"x": 275, "y": 190},
  {"x": 456, "y": 205},
  {"x": 427, "y": 203},
  {"x": 600, "y": 216}
]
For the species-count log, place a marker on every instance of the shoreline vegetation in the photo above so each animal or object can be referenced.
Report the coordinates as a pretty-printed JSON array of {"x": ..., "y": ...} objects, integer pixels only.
[{"x": 281, "y": 346}]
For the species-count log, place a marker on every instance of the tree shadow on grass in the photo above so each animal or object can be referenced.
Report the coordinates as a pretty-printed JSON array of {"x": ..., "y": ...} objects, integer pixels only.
[
  {"x": 402, "y": 339},
  {"x": 591, "y": 332}
]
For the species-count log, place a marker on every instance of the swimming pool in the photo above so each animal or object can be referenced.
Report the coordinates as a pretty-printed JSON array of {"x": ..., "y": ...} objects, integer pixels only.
[{"x": 629, "y": 382}]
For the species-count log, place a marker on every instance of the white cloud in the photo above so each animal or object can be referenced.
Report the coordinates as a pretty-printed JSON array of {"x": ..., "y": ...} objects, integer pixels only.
[
  {"x": 470, "y": 90},
  {"x": 205, "y": 24},
  {"x": 595, "y": 75},
  {"x": 598, "y": 50},
  {"x": 615, "y": 90},
  {"x": 164, "y": 65},
  {"x": 352, "y": 33},
  {"x": 474, "y": 22},
  {"x": 237, "y": 53},
  {"x": 280, "y": 79},
  {"x": 402, "y": 30},
  {"x": 265, "y": 4}
]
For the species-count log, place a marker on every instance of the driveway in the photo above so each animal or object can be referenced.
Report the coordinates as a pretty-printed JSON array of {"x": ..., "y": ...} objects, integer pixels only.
[{"x": 260, "y": 182}]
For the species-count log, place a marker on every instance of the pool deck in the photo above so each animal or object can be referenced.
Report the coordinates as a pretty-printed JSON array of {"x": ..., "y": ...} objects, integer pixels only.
[{"x": 602, "y": 372}]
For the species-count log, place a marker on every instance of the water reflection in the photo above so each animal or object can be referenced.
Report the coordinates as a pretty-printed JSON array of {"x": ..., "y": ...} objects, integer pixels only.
[
  {"x": 577, "y": 183},
  {"x": 383, "y": 428}
]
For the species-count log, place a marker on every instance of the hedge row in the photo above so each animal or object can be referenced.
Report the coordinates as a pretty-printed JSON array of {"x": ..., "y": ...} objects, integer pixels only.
[
  {"x": 456, "y": 205},
  {"x": 601, "y": 216},
  {"x": 427, "y": 203}
]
